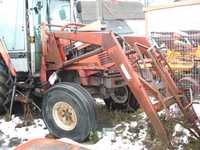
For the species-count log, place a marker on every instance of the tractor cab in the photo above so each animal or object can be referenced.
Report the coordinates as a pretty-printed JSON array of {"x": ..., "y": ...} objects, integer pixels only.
[{"x": 20, "y": 29}]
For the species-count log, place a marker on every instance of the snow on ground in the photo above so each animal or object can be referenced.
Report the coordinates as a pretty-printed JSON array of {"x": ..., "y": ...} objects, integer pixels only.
[
  {"x": 120, "y": 144},
  {"x": 125, "y": 135},
  {"x": 197, "y": 109},
  {"x": 117, "y": 138},
  {"x": 11, "y": 134}
]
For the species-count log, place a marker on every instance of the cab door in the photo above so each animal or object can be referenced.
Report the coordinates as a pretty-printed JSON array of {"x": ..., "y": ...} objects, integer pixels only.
[{"x": 13, "y": 31}]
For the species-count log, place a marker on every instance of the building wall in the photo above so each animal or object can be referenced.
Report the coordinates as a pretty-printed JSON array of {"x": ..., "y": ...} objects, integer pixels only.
[
  {"x": 137, "y": 26},
  {"x": 173, "y": 19}
]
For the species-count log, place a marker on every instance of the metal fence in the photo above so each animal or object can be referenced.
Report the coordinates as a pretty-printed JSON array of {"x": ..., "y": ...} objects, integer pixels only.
[{"x": 182, "y": 51}]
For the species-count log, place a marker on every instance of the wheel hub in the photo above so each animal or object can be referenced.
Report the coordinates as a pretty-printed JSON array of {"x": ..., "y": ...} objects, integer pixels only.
[
  {"x": 64, "y": 116},
  {"x": 120, "y": 95}
]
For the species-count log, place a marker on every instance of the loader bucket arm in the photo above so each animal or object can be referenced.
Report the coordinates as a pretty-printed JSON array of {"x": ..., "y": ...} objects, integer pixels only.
[
  {"x": 109, "y": 43},
  {"x": 138, "y": 85},
  {"x": 133, "y": 80}
]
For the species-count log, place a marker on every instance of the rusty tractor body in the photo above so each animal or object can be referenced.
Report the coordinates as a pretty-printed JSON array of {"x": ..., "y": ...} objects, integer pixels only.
[
  {"x": 110, "y": 66},
  {"x": 78, "y": 65}
]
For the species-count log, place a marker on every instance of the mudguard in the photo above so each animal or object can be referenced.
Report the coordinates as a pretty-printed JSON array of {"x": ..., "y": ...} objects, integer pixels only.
[
  {"x": 51, "y": 144},
  {"x": 6, "y": 58}
]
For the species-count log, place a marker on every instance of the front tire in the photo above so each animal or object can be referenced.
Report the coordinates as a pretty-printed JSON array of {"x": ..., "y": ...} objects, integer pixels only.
[{"x": 67, "y": 111}]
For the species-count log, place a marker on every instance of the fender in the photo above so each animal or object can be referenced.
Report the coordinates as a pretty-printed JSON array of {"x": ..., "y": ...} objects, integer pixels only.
[
  {"x": 51, "y": 144},
  {"x": 6, "y": 58}
]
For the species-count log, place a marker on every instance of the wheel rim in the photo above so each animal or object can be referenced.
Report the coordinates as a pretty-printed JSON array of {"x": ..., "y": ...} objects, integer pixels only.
[
  {"x": 120, "y": 95},
  {"x": 64, "y": 116}
]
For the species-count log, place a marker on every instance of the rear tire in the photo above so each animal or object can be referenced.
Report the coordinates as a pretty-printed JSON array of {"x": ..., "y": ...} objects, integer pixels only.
[
  {"x": 5, "y": 84},
  {"x": 77, "y": 118}
]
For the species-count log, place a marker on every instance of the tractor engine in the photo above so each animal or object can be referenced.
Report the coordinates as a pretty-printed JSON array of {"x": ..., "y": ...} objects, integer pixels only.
[{"x": 102, "y": 80}]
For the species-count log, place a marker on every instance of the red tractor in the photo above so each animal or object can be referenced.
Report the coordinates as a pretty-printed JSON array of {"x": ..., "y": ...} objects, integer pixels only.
[
  {"x": 78, "y": 65},
  {"x": 66, "y": 68}
]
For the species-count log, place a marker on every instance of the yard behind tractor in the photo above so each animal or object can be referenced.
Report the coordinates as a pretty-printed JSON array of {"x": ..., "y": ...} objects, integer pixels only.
[
  {"x": 182, "y": 51},
  {"x": 181, "y": 48}
]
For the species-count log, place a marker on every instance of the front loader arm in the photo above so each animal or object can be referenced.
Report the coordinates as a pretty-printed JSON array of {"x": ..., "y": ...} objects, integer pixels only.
[
  {"x": 136, "y": 86},
  {"x": 110, "y": 43}
]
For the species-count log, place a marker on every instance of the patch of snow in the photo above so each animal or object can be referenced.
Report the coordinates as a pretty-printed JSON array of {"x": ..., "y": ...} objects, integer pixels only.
[
  {"x": 99, "y": 101},
  {"x": 120, "y": 144},
  {"x": 197, "y": 109},
  {"x": 124, "y": 136},
  {"x": 10, "y": 130}
]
